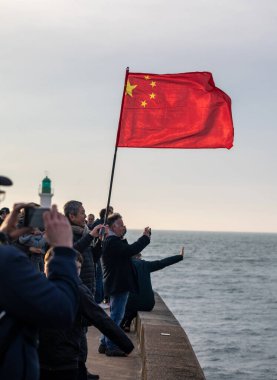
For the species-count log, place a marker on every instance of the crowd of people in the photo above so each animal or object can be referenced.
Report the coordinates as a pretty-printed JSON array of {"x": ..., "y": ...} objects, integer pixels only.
[{"x": 56, "y": 281}]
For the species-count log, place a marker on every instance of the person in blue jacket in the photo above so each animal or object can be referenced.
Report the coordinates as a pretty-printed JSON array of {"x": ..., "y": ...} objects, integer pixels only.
[
  {"x": 144, "y": 299},
  {"x": 28, "y": 300}
]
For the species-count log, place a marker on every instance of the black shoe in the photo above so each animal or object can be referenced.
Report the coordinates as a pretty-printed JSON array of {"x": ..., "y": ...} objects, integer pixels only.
[
  {"x": 115, "y": 352},
  {"x": 91, "y": 376},
  {"x": 102, "y": 349}
]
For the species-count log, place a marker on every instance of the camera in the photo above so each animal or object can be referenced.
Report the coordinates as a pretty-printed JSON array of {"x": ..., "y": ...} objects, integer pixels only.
[{"x": 33, "y": 217}]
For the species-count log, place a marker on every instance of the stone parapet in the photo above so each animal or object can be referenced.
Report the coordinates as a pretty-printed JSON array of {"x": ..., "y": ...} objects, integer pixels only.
[{"x": 164, "y": 346}]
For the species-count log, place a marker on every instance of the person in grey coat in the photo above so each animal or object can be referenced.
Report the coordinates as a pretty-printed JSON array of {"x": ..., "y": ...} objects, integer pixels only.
[{"x": 87, "y": 243}]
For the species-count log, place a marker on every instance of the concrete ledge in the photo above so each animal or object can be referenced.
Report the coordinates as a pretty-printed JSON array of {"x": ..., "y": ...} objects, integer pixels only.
[{"x": 164, "y": 346}]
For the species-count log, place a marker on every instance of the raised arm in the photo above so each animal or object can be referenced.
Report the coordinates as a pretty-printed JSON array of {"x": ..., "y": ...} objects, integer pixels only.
[
  {"x": 122, "y": 248},
  {"x": 87, "y": 240},
  {"x": 160, "y": 264}
]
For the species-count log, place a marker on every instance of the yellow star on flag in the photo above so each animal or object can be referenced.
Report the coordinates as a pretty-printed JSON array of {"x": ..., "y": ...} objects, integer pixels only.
[
  {"x": 144, "y": 103},
  {"x": 153, "y": 84},
  {"x": 147, "y": 77},
  {"x": 152, "y": 96},
  {"x": 130, "y": 88}
]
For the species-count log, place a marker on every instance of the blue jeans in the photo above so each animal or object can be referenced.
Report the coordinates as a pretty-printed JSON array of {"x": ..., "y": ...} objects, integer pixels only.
[{"x": 117, "y": 307}]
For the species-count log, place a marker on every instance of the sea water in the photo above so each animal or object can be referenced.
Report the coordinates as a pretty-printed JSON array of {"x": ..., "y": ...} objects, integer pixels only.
[{"x": 224, "y": 294}]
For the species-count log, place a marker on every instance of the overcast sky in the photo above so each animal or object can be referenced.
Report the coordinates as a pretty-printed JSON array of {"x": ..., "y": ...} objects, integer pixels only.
[{"x": 62, "y": 69}]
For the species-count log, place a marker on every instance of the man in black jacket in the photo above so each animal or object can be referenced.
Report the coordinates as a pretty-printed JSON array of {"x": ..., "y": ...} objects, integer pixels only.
[
  {"x": 119, "y": 274},
  {"x": 144, "y": 300}
]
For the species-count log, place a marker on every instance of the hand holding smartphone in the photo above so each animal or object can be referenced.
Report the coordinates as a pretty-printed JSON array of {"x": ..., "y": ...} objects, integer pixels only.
[{"x": 33, "y": 217}]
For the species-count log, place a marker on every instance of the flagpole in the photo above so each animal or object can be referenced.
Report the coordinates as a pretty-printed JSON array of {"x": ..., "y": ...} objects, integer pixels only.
[{"x": 115, "y": 148}]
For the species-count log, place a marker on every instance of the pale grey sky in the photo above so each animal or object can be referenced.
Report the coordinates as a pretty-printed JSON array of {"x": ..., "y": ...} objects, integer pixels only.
[{"x": 62, "y": 68}]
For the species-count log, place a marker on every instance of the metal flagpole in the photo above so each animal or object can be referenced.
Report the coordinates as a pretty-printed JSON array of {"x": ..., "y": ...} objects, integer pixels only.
[{"x": 115, "y": 149}]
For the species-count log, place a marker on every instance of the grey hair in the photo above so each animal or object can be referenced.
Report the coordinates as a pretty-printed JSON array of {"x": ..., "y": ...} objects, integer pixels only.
[{"x": 71, "y": 207}]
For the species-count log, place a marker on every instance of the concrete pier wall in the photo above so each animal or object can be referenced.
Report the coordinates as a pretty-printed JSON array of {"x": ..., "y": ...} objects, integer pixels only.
[{"x": 166, "y": 352}]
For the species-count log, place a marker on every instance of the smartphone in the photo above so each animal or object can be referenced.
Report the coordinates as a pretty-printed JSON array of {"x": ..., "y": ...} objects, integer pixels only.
[{"x": 33, "y": 217}]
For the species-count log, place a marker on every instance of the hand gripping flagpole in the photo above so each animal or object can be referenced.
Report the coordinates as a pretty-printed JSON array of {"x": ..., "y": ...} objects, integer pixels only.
[{"x": 115, "y": 154}]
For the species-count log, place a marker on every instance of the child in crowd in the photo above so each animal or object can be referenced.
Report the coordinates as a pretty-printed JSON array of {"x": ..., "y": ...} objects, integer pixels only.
[{"x": 37, "y": 246}]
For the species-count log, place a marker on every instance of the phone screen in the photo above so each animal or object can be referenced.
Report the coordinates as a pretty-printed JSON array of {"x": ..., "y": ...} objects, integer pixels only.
[{"x": 33, "y": 217}]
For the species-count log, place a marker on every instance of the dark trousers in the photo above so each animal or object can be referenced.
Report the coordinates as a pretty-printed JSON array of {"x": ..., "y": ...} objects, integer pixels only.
[
  {"x": 128, "y": 317},
  {"x": 69, "y": 374},
  {"x": 82, "y": 371},
  {"x": 83, "y": 345}
]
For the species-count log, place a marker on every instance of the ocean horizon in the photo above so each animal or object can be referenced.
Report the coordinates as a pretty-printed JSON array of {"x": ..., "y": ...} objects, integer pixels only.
[{"x": 139, "y": 230}]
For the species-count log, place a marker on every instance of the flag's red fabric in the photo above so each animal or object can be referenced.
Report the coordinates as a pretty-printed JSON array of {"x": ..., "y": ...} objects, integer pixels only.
[{"x": 174, "y": 111}]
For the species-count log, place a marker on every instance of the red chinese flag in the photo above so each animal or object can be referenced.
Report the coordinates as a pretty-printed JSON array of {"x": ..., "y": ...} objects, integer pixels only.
[{"x": 174, "y": 111}]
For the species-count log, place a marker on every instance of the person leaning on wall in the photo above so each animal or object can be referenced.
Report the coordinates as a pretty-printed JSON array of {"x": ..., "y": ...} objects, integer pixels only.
[{"x": 144, "y": 299}]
